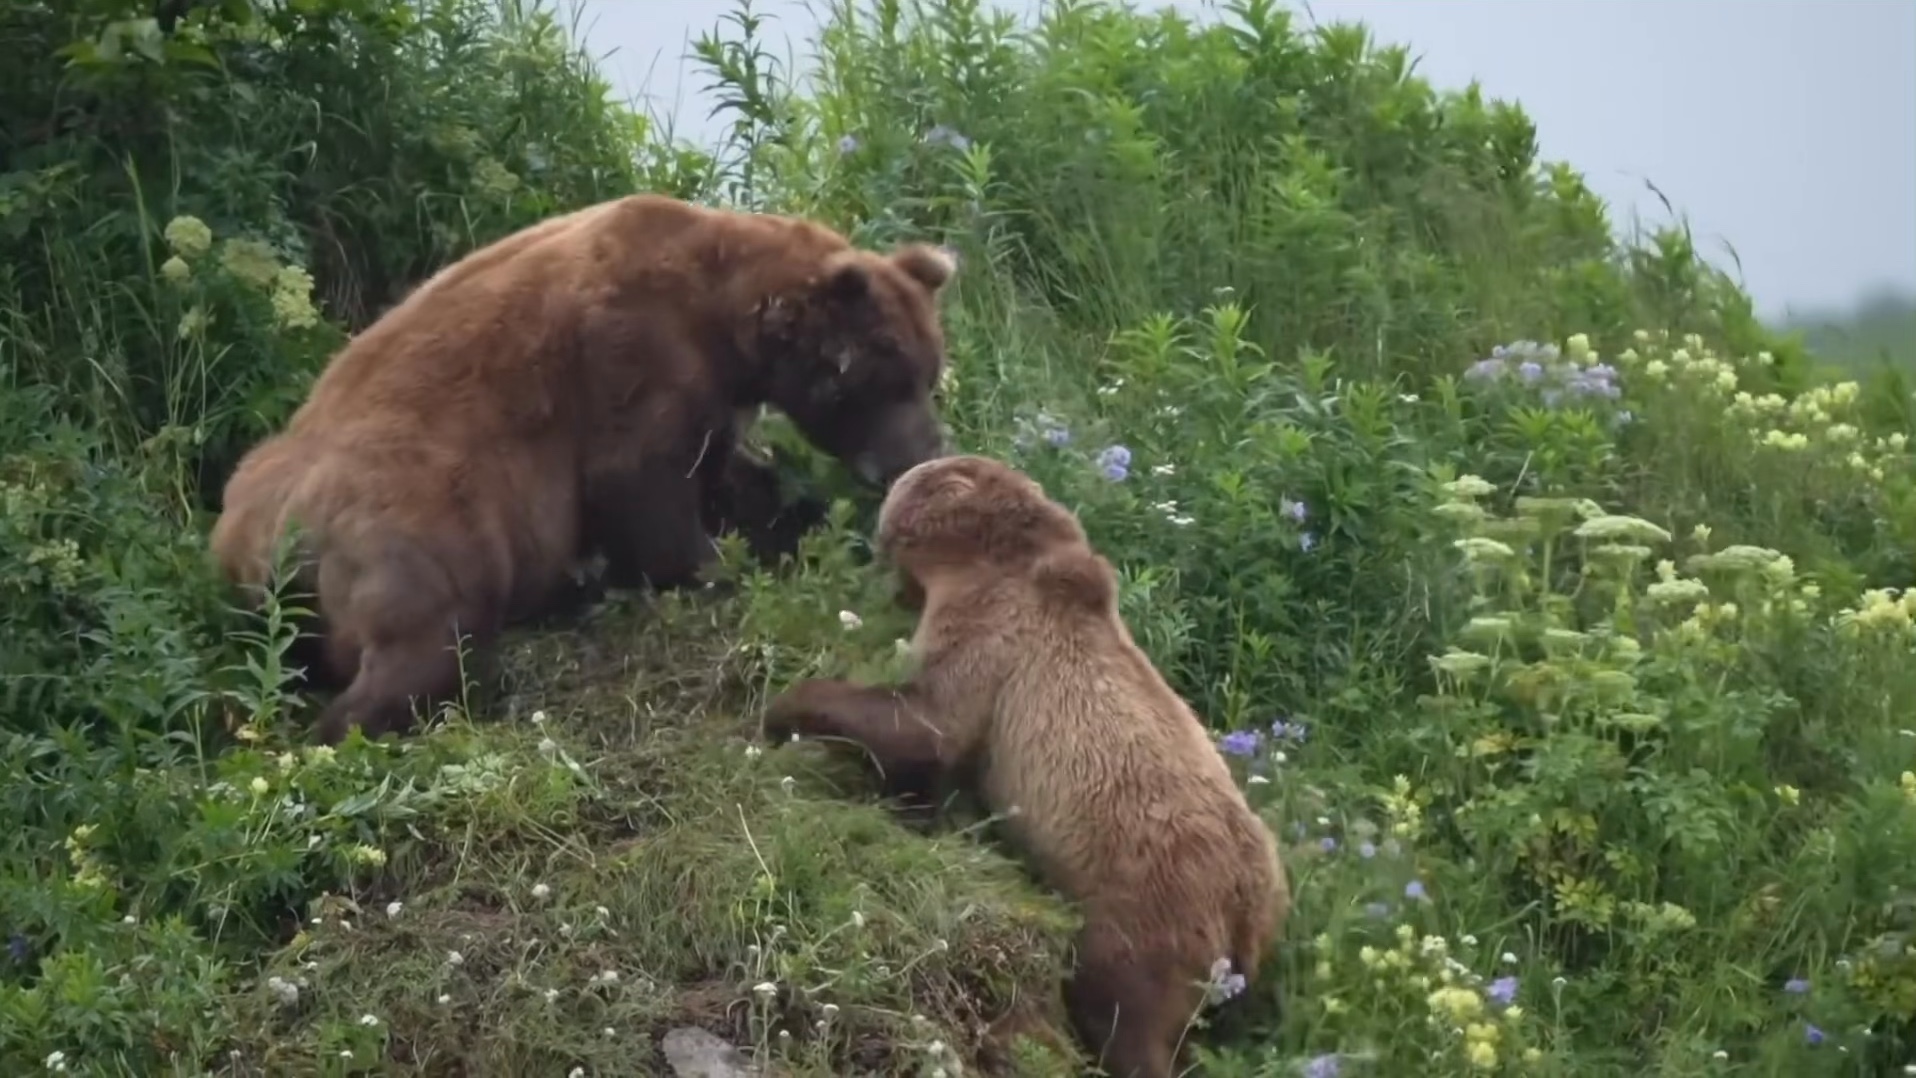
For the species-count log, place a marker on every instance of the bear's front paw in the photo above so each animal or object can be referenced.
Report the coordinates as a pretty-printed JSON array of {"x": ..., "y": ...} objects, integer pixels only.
[{"x": 794, "y": 712}]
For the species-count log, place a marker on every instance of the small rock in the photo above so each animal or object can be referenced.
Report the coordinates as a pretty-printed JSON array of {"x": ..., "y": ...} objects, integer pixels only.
[{"x": 696, "y": 1053}]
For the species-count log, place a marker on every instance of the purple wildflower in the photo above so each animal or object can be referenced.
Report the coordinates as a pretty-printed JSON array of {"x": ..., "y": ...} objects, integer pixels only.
[
  {"x": 1812, "y": 1034},
  {"x": 1115, "y": 462},
  {"x": 1324, "y": 1066},
  {"x": 847, "y": 144},
  {"x": 949, "y": 136},
  {"x": 1414, "y": 890},
  {"x": 1288, "y": 731},
  {"x": 1366, "y": 850},
  {"x": 1058, "y": 435},
  {"x": 1240, "y": 742},
  {"x": 1796, "y": 986},
  {"x": 1327, "y": 844},
  {"x": 1297, "y": 511},
  {"x": 1307, "y": 542},
  {"x": 1503, "y": 990},
  {"x": 1485, "y": 370},
  {"x": 1224, "y": 983},
  {"x": 1530, "y": 371}
]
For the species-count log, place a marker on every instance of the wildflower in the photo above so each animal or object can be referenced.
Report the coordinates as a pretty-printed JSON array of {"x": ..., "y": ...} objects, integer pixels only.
[
  {"x": 251, "y": 261},
  {"x": 1459, "y": 663},
  {"x": 1485, "y": 370},
  {"x": 1324, "y": 1066},
  {"x": 538, "y": 718},
  {"x": 1296, "y": 510},
  {"x": 393, "y": 908},
  {"x": 368, "y": 1019},
  {"x": 1530, "y": 371},
  {"x": 1617, "y": 527},
  {"x": 366, "y": 855},
  {"x": 948, "y": 136},
  {"x": 1327, "y": 844},
  {"x": 849, "y": 620},
  {"x": 765, "y": 989},
  {"x": 1377, "y": 910},
  {"x": 175, "y": 269},
  {"x": 1789, "y": 795},
  {"x": 1307, "y": 542},
  {"x": 1796, "y": 986},
  {"x": 1224, "y": 984},
  {"x": 1288, "y": 731},
  {"x": 1414, "y": 890},
  {"x": 286, "y": 991},
  {"x": 454, "y": 958},
  {"x": 847, "y": 144},
  {"x": 1058, "y": 435},
  {"x": 1720, "y": 1056},
  {"x": 1812, "y": 1034},
  {"x": 1468, "y": 486},
  {"x": 1366, "y": 850},
  {"x": 258, "y": 786},
  {"x": 1480, "y": 548},
  {"x": 1164, "y": 469},
  {"x": 1115, "y": 462},
  {"x": 1503, "y": 990},
  {"x": 1508, "y": 958},
  {"x": 1240, "y": 743},
  {"x": 188, "y": 236},
  {"x": 292, "y": 298}
]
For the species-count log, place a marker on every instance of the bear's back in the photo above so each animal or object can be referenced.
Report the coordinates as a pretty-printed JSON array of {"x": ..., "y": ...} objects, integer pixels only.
[{"x": 1111, "y": 767}]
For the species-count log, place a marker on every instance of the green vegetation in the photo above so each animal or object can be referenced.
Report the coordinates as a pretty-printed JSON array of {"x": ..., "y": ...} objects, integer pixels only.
[{"x": 1569, "y": 681}]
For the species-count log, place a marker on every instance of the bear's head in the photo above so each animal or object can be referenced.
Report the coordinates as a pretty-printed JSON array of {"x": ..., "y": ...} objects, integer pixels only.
[
  {"x": 856, "y": 355},
  {"x": 962, "y": 513}
]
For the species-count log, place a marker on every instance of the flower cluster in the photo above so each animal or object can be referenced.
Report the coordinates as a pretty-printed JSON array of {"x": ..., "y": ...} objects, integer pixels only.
[
  {"x": 1481, "y": 1014},
  {"x": 289, "y": 288},
  {"x": 1554, "y": 375},
  {"x": 1817, "y": 424}
]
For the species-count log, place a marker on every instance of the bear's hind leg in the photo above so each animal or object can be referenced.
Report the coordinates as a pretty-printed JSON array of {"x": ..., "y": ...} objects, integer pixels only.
[
  {"x": 1124, "y": 1005},
  {"x": 413, "y": 630}
]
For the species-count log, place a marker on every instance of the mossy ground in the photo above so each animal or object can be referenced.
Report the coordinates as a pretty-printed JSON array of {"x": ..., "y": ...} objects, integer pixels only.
[{"x": 642, "y": 867}]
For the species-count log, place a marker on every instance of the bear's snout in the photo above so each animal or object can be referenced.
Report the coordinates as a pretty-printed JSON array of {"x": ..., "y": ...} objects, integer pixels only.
[{"x": 904, "y": 435}]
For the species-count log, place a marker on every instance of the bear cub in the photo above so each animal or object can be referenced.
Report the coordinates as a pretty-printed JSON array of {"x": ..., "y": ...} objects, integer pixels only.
[
  {"x": 1028, "y": 684},
  {"x": 573, "y": 389}
]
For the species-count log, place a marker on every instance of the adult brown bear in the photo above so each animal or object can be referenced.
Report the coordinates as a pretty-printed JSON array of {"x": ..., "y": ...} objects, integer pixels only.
[
  {"x": 576, "y": 386},
  {"x": 1029, "y": 685}
]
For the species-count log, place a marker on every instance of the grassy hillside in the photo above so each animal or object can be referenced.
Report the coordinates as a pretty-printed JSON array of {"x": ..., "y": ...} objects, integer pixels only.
[
  {"x": 1545, "y": 600},
  {"x": 1878, "y": 332}
]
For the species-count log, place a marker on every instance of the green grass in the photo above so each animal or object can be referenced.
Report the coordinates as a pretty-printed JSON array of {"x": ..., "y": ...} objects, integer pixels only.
[{"x": 1562, "y": 792}]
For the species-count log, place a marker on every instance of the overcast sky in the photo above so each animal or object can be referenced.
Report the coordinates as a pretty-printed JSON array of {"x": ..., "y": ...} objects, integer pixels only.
[{"x": 1786, "y": 128}]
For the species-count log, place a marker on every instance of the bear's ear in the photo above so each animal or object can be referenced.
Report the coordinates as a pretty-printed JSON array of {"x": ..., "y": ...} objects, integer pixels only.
[
  {"x": 847, "y": 279},
  {"x": 928, "y": 265}
]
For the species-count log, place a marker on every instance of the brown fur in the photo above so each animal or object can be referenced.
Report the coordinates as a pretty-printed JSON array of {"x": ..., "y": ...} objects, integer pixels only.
[
  {"x": 1029, "y": 682},
  {"x": 572, "y": 388}
]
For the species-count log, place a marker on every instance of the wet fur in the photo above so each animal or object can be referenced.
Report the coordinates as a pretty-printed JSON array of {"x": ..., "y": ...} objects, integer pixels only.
[{"x": 1029, "y": 686}]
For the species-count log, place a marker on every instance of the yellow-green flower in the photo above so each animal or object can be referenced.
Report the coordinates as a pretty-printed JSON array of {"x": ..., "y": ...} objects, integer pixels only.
[{"x": 188, "y": 236}]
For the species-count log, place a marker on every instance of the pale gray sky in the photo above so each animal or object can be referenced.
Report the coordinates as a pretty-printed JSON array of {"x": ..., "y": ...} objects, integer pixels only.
[{"x": 1786, "y": 128}]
